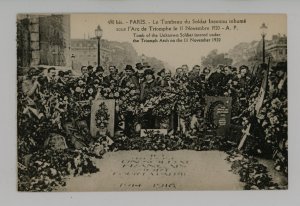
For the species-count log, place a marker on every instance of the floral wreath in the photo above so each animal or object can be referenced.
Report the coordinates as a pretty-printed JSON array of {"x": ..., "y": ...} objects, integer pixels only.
[
  {"x": 210, "y": 113},
  {"x": 102, "y": 116}
]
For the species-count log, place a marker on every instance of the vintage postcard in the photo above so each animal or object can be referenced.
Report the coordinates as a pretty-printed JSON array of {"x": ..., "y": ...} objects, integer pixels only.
[{"x": 151, "y": 102}]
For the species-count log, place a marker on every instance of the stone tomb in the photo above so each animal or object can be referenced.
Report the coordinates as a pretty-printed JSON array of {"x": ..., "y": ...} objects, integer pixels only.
[{"x": 158, "y": 171}]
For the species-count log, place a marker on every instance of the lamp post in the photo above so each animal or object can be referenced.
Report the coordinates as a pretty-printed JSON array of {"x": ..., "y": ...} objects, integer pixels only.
[
  {"x": 72, "y": 57},
  {"x": 263, "y": 29},
  {"x": 98, "y": 34},
  {"x": 143, "y": 57}
]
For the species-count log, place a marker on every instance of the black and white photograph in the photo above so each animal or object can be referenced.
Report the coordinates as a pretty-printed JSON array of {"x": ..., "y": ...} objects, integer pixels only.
[{"x": 151, "y": 102}]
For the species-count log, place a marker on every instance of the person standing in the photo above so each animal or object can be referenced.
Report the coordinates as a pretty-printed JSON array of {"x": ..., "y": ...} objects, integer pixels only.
[
  {"x": 129, "y": 79},
  {"x": 244, "y": 84},
  {"x": 30, "y": 84},
  {"x": 113, "y": 76},
  {"x": 161, "y": 75},
  {"x": 185, "y": 70},
  {"x": 244, "y": 76},
  {"x": 215, "y": 82},
  {"x": 62, "y": 82},
  {"x": 147, "y": 90},
  {"x": 148, "y": 85},
  {"x": 195, "y": 72},
  {"x": 166, "y": 81},
  {"x": 31, "y": 90},
  {"x": 98, "y": 75},
  {"x": 130, "y": 86},
  {"x": 140, "y": 74},
  {"x": 226, "y": 80},
  {"x": 278, "y": 83},
  {"x": 49, "y": 81}
]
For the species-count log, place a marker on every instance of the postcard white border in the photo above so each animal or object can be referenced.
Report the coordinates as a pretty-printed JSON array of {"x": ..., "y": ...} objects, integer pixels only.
[{"x": 8, "y": 193}]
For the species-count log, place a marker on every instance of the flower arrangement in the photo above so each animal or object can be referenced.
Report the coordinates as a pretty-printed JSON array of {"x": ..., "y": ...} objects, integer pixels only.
[
  {"x": 102, "y": 116},
  {"x": 164, "y": 105},
  {"x": 129, "y": 98},
  {"x": 155, "y": 141},
  {"x": 54, "y": 108},
  {"x": 110, "y": 92},
  {"x": 272, "y": 119},
  {"x": 99, "y": 147},
  {"x": 251, "y": 172},
  {"x": 47, "y": 169}
]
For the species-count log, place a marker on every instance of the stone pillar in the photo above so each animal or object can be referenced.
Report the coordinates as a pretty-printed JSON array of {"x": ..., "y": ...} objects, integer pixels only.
[
  {"x": 35, "y": 41},
  {"x": 67, "y": 39}
]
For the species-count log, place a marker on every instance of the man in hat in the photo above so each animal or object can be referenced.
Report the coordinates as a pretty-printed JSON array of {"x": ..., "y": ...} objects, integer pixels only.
[
  {"x": 139, "y": 74},
  {"x": 244, "y": 78},
  {"x": 215, "y": 82},
  {"x": 162, "y": 73},
  {"x": 138, "y": 66},
  {"x": 146, "y": 65},
  {"x": 234, "y": 71},
  {"x": 90, "y": 69},
  {"x": 244, "y": 85},
  {"x": 147, "y": 90},
  {"x": 147, "y": 86},
  {"x": 194, "y": 83},
  {"x": 130, "y": 82},
  {"x": 98, "y": 75},
  {"x": 129, "y": 79},
  {"x": 30, "y": 84},
  {"x": 203, "y": 80},
  {"x": 79, "y": 88}
]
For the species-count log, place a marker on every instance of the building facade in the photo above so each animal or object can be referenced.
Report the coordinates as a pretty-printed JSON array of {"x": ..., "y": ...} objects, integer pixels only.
[
  {"x": 84, "y": 52},
  {"x": 277, "y": 48}
]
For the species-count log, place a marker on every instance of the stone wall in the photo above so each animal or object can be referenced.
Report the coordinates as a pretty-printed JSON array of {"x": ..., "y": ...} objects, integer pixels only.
[{"x": 40, "y": 49}]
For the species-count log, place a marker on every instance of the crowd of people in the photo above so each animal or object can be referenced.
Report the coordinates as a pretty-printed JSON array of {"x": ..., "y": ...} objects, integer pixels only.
[
  {"x": 51, "y": 95},
  {"x": 52, "y": 100}
]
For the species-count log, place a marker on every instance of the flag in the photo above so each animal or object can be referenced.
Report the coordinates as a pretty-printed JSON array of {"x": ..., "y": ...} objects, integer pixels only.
[
  {"x": 262, "y": 92},
  {"x": 258, "y": 105}
]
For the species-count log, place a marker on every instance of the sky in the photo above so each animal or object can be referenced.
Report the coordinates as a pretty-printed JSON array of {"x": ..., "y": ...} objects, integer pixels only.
[{"x": 176, "y": 54}]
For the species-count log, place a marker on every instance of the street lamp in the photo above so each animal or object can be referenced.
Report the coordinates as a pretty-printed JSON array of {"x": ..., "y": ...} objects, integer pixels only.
[
  {"x": 98, "y": 34},
  {"x": 72, "y": 57},
  {"x": 263, "y": 30},
  {"x": 143, "y": 57}
]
